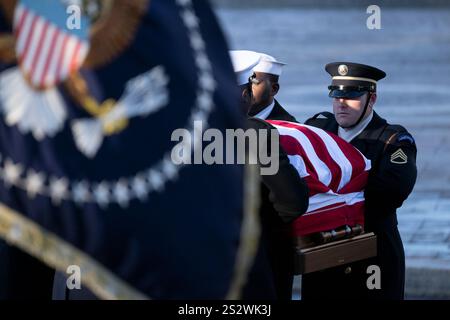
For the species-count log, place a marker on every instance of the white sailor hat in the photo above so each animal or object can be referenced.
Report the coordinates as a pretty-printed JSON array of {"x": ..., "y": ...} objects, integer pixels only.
[
  {"x": 243, "y": 63},
  {"x": 269, "y": 64}
]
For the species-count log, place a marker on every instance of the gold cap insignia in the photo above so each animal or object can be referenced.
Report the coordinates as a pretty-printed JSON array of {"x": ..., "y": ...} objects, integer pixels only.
[{"x": 343, "y": 70}]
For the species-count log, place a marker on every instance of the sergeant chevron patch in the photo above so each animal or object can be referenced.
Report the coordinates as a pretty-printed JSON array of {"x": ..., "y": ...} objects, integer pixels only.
[{"x": 399, "y": 157}]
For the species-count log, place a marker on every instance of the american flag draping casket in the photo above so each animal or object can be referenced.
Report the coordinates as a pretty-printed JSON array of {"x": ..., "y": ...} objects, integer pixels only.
[{"x": 335, "y": 172}]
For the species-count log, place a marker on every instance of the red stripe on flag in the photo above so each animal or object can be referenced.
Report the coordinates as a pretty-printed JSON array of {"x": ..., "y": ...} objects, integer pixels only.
[
  {"x": 352, "y": 154},
  {"x": 335, "y": 217},
  {"x": 39, "y": 48},
  {"x": 315, "y": 186},
  {"x": 49, "y": 56},
  {"x": 60, "y": 59},
  {"x": 292, "y": 147},
  {"x": 322, "y": 152},
  {"x": 24, "y": 54},
  {"x": 19, "y": 26},
  {"x": 357, "y": 183}
]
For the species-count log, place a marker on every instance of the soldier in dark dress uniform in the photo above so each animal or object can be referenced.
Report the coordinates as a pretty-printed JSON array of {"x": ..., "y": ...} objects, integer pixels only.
[{"x": 392, "y": 151}]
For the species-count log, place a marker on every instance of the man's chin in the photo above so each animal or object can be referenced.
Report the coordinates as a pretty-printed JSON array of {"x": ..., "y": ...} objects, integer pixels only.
[{"x": 343, "y": 124}]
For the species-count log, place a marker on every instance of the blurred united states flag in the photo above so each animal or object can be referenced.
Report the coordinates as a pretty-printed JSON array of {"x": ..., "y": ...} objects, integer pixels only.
[{"x": 47, "y": 50}]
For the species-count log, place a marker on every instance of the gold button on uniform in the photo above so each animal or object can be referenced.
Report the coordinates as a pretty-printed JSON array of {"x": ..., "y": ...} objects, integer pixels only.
[{"x": 348, "y": 270}]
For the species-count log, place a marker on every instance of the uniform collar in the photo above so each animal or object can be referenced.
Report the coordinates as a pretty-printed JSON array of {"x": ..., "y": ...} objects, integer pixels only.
[
  {"x": 349, "y": 135},
  {"x": 265, "y": 112},
  {"x": 377, "y": 124}
]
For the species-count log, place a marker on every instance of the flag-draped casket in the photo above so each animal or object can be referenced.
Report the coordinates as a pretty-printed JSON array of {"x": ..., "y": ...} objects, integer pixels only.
[{"x": 336, "y": 174}]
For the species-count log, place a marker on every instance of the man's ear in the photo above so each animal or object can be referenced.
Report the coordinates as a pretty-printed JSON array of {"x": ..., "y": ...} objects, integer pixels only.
[
  {"x": 373, "y": 99},
  {"x": 246, "y": 96},
  {"x": 275, "y": 88}
]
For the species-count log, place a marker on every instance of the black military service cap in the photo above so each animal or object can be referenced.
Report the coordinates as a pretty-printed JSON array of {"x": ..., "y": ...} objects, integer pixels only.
[{"x": 352, "y": 80}]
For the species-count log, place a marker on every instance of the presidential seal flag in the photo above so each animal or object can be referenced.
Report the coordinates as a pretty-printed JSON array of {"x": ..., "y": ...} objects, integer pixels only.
[{"x": 86, "y": 175}]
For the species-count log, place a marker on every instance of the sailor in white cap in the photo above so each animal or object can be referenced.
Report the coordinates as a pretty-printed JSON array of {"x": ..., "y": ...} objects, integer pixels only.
[
  {"x": 285, "y": 190},
  {"x": 265, "y": 87},
  {"x": 243, "y": 63}
]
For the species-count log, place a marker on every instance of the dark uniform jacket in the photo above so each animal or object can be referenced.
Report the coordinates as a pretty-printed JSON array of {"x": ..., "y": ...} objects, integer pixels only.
[
  {"x": 392, "y": 152},
  {"x": 284, "y": 197}
]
